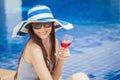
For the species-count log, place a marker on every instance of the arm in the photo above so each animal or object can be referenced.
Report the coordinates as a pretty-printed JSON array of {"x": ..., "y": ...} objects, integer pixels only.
[
  {"x": 39, "y": 64},
  {"x": 63, "y": 54},
  {"x": 58, "y": 70},
  {"x": 40, "y": 67}
]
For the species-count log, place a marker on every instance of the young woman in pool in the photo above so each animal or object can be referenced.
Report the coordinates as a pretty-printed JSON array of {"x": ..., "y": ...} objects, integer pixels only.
[
  {"x": 41, "y": 59},
  {"x": 38, "y": 60}
]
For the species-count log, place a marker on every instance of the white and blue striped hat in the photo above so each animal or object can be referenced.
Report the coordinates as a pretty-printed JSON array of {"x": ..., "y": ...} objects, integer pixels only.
[{"x": 39, "y": 13}]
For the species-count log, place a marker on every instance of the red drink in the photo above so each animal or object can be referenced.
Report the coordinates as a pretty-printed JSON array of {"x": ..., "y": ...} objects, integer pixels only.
[
  {"x": 66, "y": 41},
  {"x": 65, "y": 44}
]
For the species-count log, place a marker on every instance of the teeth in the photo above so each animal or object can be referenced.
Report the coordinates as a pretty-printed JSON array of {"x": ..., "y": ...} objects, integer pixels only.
[{"x": 43, "y": 33}]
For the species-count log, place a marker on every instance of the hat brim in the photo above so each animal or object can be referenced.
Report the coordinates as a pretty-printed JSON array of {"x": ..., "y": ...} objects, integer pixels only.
[{"x": 21, "y": 30}]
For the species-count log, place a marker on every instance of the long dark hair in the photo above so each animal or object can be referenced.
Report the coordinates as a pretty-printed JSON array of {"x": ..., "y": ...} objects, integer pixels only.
[{"x": 38, "y": 41}]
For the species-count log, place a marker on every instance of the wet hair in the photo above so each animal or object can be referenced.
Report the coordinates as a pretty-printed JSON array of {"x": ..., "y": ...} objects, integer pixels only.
[{"x": 38, "y": 41}]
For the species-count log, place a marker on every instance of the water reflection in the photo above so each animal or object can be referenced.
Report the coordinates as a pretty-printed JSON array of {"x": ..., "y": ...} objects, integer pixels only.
[
  {"x": 112, "y": 75},
  {"x": 25, "y": 6},
  {"x": 3, "y": 32}
]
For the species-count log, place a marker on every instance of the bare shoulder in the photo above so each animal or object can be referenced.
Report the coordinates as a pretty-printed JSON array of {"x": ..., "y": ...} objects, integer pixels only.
[
  {"x": 34, "y": 48},
  {"x": 31, "y": 50},
  {"x": 36, "y": 55}
]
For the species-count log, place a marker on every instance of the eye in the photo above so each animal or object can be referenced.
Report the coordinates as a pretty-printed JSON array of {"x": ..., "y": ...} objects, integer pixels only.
[
  {"x": 36, "y": 25},
  {"x": 47, "y": 25}
]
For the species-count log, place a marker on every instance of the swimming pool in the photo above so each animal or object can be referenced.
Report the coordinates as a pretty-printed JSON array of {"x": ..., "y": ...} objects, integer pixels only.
[{"x": 95, "y": 49}]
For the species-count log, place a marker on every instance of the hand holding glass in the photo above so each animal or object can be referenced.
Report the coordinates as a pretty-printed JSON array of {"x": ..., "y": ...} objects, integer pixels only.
[{"x": 65, "y": 43}]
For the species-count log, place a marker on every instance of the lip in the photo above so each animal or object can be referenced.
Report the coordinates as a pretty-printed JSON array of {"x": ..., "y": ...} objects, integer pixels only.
[{"x": 42, "y": 33}]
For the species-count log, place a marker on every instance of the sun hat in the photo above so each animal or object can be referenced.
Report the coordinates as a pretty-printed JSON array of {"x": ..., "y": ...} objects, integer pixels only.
[{"x": 39, "y": 13}]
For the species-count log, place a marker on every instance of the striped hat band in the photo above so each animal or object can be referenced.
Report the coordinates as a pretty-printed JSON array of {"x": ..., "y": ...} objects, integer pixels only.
[{"x": 40, "y": 13}]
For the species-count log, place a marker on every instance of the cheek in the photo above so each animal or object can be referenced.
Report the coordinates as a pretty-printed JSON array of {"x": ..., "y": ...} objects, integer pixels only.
[
  {"x": 34, "y": 31},
  {"x": 50, "y": 30}
]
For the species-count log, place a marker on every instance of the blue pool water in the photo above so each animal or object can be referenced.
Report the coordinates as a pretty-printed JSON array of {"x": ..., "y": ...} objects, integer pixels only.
[{"x": 95, "y": 49}]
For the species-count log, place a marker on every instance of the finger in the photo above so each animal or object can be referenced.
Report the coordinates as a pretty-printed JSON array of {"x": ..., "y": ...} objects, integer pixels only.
[
  {"x": 64, "y": 55},
  {"x": 63, "y": 51}
]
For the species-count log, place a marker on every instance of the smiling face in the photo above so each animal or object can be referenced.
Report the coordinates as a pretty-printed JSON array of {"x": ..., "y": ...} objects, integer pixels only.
[{"x": 42, "y": 30}]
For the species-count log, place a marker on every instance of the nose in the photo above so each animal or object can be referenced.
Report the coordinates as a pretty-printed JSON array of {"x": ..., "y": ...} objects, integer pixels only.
[{"x": 42, "y": 28}]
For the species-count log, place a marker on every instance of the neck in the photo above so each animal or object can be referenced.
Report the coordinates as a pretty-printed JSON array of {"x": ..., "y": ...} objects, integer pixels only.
[{"x": 45, "y": 41}]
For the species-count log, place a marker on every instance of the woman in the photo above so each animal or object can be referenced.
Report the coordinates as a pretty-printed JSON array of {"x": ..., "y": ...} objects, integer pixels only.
[
  {"x": 38, "y": 60},
  {"x": 41, "y": 59}
]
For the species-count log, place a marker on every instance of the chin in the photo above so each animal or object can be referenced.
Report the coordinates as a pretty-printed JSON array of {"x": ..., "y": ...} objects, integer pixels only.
[{"x": 44, "y": 37}]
